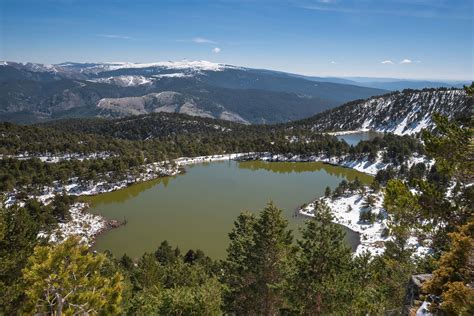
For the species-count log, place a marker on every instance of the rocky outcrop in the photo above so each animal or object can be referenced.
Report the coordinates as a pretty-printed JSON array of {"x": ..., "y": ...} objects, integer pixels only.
[{"x": 412, "y": 299}]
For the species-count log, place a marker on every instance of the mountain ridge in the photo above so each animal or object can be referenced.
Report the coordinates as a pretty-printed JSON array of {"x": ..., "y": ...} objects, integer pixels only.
[
  {"x": 402, "y": 113},
  {"x": 34, "y": 92},
  {"x": 405, "y": 112}
]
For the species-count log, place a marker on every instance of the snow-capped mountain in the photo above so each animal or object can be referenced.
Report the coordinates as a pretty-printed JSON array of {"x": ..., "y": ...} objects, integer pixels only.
[
  {"x": 402, "y": 113},
  {"x": 96, "y": 68},
  {"x": 34, "y": 92},
  {"x": 199, "y": 65},
  {"x": 124, "y": 81}
]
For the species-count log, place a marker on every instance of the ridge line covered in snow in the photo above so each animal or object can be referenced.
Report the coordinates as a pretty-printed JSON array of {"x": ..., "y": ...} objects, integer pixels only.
[
  {"x": 403, "y": 113},
  {"x": 184, "y": 64}
]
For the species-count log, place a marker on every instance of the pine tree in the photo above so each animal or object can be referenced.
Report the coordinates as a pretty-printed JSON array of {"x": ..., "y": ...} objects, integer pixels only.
[
  {"x": 401, "y": 204},
  {"x": 258, "y": 262},
  {"x": 175, "y": 288},
  {"x": 60, "y": 206},
  {"x": 165, "y": 254},
  {"x": 369, "y": 202},
  {"x": 321, "y": 282},
  {"x": 375, "y": 186},
  {"x": 366, "y": 214},
  {"x": 270, "y": 255},
  {"x": 66, "y": 278},
  {"x": 368, "y": 297},
  {"x": 202, "y": 299},
  {"x": 239, "y": 275},
  {"x": 454, "y": 274},
  {"x": 327, "y": 192},
  {"x": 452, "y": 148},
  {"x": 18, "y": 237}
]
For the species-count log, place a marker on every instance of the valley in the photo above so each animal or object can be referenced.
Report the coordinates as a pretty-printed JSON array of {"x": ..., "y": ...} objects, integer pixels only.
[
  {"x": 36, "y": 92},
  {"x": 157, "y": 170},
  {"x": 229, "y": 157}
]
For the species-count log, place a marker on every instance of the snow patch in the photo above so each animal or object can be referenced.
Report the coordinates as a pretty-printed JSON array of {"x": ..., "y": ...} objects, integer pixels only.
[
  {"x": 124, "y": 81},
  {"x": 173, "y": 75},
  {"x": 198, "y": 65},
  {"x": 346, "y": 211},
  {"x": 82, "y": 224},
  {"x": 362, "y": 164}
]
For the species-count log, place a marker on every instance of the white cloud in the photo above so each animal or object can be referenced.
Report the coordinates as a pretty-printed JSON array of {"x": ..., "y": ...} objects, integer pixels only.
[
  {"x": 333, "y": 62},
  {"x": 114, "y": 36},
  {"x": 406, "y": 61},
  {"x": 216, "y": 50},
  {"x": 202, "y": 40},
  {"x": 423, "y": 9},
  {"x": 388, "y": 62}
]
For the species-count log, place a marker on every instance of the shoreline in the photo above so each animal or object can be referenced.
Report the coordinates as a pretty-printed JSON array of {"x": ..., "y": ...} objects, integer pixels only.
[
  {"x": 166, "y": 168},
  {"x": 355, "y": 131},
  {"x": 85, "y": 225},
  {"x": 89, "y": 226},
  {"x": 361, "y": 164},
  {"x": 346, "y": 211},
  {"x": 371, "y": 234}
]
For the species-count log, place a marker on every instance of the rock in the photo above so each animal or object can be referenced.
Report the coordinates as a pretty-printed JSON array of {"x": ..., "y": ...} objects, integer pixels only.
[
  {"x": 113, "y": 223},
  {"x": 413, "y": 292}
]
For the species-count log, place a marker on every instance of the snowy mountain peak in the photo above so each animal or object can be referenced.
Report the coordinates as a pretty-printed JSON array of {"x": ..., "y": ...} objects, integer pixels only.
[
  {"x": 198, "y": 65},
  {"x": 74, "y": 67},
  {"x": 186, "y": 65}
]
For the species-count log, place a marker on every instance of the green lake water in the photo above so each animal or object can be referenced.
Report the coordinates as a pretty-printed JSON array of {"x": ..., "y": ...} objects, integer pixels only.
[
  {"x": 196, "y": 210},
  {"x": 354, "y": 138}
]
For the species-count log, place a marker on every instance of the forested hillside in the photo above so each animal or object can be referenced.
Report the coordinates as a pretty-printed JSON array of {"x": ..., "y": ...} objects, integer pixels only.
[
  {"x": 36, "y": 92},
  {"x": 264, "y": 272},
  {"x": 142, "y": 127},
  {"x": 146, "y": 168},
  {"x": 405, "y": 112},
  {"x": 268, "y": 268},
  {"x": 79, "y": 146}
]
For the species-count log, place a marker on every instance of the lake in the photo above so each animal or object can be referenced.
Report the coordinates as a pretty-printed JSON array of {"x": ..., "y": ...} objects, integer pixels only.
[
  {"x": 354, "y": 138},
  {"x": 196, "y": 210}
]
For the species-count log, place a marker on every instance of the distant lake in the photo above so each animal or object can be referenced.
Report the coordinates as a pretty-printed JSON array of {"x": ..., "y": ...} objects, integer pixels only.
[
  {"x": 354, "y": 138},
  {"x": 196, "y": 210}
]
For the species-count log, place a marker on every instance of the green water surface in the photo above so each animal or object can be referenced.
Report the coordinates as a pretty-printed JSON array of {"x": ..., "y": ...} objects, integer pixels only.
[{"x": 196, "y": 210}]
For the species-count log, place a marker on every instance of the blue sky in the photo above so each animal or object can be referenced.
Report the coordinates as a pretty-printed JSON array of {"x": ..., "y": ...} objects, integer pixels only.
[{"x": 429, "y": 39}]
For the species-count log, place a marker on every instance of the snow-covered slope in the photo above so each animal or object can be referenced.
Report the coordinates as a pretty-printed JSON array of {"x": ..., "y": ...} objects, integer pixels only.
[
  {"x": 186, "y": 68},
  {"x": 184, "y": 64},
  {"x": 401, "y": 113},
  {"x": 91, "y": 68},
  {"x": 124, "y": 81}
]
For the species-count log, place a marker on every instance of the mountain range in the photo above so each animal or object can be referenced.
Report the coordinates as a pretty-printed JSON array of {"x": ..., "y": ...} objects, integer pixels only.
[
  {"x": 31, "y": 92},
  {"x": 402, "y": 113},
  {"x": 35, "y": 92}
]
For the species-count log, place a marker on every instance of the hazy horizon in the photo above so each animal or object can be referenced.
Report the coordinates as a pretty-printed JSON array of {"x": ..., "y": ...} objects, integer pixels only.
[{"x": 349, "y": 77}]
